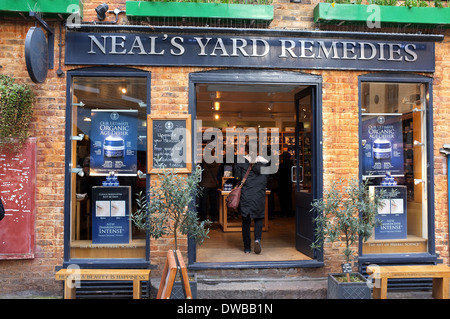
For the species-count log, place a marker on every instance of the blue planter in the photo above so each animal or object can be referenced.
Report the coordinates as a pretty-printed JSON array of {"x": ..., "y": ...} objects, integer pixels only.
[{"x": 348, "y": 290}]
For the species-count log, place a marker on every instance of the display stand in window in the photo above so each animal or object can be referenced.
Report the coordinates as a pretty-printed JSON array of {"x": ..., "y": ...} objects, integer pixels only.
[
  {"x": 393, "y": 215},
  {"x": 111, "y": 215}
]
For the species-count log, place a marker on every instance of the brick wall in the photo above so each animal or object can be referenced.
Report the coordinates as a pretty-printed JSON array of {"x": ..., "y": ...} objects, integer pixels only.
[
  {"x": 441, "y": 116},
  {"x": 48, "y": 126},
  {"x": 170, "y": 92}
]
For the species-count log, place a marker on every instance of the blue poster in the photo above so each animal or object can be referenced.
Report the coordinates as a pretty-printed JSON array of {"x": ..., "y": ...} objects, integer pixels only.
[
  {"x": 113, "y": 142},
  {"x": 111, "y": 215},
  {"x": 382, "y": 145},
  {"x": 393, "y": 215}
]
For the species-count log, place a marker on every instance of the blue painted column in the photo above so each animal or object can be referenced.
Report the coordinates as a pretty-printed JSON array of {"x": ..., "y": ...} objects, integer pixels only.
[{"x": 446, "y": 152}]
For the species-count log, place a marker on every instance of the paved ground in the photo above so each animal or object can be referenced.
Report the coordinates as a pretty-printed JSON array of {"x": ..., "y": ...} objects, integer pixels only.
[{"x": 254, "y": 288}]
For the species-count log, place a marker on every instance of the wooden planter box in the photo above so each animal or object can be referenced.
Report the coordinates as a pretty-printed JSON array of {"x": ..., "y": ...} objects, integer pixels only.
[
  {"x": 389, "y": 15},
  {"x": 195, "y": 10},
  {"x": 48, "y": 8},
  {"x": 348, "y": 290}
]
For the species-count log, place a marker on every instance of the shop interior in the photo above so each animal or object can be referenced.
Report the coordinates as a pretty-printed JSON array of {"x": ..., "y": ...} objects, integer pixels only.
[
  {"x": 239, "y": 108},
  {"x": 221, "y": 106}
]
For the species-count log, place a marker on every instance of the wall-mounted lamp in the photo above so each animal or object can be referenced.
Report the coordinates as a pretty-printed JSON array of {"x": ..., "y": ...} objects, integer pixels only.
[
  {"x": 445, "y": 150},
  {"x": 141, "y": 175},
  {"x": 78, "y": 171},
  {"x": 418, "y": 181},
  {"x": 79, "y": 104},
  {"x": 417, "y": 143},
  {"x": 101, "y": 11},
  {"x": 296, "y": 1},
  {"x": 79, "y": 137}
]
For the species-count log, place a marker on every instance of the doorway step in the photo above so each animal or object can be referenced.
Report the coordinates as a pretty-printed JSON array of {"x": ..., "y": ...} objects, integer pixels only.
[
  {"x": 262, "y": 288},
  {"x": 258, "y": 288}
]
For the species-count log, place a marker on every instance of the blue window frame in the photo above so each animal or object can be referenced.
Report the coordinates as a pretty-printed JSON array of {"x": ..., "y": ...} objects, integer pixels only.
[
  {"x": 405, "y": 101},
  {"x": 106, "y": 90}
]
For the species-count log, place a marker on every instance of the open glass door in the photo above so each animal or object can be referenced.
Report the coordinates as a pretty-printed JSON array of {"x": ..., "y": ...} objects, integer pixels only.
[{"x": 302, "y": 171}]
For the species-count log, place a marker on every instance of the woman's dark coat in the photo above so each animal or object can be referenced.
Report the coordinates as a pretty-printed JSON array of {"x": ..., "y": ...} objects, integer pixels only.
[{"x": 253, "y": 194}]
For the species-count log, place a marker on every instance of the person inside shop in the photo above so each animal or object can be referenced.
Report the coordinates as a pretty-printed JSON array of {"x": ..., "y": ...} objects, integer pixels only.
[
  {"x": 285, "y": 184},
  {"x": 210, "y": 184},
  {"x": 253, "y": 197}
]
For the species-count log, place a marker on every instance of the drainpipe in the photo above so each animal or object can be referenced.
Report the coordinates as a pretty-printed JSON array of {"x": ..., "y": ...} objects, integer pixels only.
[{"x": 446, "y": 152}]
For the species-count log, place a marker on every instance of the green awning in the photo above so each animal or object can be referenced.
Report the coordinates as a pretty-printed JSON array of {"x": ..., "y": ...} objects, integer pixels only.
[{"x": 46, "y": 8}]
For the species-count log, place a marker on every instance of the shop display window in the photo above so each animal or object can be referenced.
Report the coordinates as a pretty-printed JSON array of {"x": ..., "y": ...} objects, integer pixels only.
[
  {"x": 393, "y": 145},
  {"x": 108, "y": 165}
]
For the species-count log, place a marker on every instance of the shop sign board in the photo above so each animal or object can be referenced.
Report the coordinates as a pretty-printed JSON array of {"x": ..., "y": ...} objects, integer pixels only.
[
  {"x": 36, "y": 54},
  {"x": 87, "y": 48},
  {"x": 111, "y": 208}
]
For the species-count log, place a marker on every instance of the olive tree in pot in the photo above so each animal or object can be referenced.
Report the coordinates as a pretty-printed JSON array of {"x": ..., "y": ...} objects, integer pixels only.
[
  {"x": 345, "y": 213},
  {"x": 169, "y": 209}
]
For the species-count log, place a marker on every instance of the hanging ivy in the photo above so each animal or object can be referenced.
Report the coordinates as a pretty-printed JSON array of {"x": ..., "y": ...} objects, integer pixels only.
[{"x": 16, "y": 109}]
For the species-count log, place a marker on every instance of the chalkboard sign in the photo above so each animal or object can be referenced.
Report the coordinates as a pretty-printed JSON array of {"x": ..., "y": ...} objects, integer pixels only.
[
  {"x": 169, "y": 143},
  {"x": 174, "y": 263},
  {"x": 347, "y": 267}
]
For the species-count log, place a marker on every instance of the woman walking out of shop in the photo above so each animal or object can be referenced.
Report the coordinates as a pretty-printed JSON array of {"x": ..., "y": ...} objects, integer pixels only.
[{"x": 253, "y": 197}]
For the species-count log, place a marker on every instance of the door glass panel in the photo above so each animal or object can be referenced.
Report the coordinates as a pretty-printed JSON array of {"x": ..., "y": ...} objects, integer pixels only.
[
  {"x": 108, "y": 165},
  {"x": 302, "y": 174},
  {"x": 393, "y": 147}
]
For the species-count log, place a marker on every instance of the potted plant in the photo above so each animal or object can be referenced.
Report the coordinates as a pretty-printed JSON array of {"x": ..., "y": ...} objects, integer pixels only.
[
  {"x": 345, "y": 213},
  {"x": 170, "y": 209},
  {"x": 16, "y": 110}
]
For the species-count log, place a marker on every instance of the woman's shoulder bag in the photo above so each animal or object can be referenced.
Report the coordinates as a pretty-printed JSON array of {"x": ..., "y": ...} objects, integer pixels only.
[{"x": 234, "y": 197}]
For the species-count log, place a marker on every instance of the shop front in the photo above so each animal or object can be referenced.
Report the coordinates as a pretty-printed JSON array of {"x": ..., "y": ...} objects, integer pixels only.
[{"x": 320, "y": 104}]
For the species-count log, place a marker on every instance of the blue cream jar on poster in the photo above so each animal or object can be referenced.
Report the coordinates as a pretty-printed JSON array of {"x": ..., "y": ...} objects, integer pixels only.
[{"x": 114, "y": 146}]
